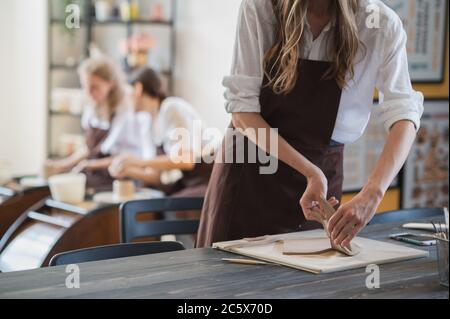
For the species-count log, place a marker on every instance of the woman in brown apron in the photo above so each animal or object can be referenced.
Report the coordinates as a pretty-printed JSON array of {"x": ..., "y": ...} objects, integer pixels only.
[
  {"x": 299, "y": 67},
  {"x": 105, "y": 121},
  {"x": 159, "y": 170}
]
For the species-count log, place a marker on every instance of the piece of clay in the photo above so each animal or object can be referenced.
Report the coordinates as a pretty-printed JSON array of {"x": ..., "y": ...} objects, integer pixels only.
[
  {"x": 256, "y": 241},
  {"x": 329, "y": 211},
  {"x": 353, "y": 250},
  {"x": 312, "y": 246},
  {"x": 307, "y": 246}
]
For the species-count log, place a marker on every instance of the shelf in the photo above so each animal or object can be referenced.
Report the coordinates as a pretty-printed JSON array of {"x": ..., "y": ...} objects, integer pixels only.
[
  {"x": 64, "y": 67},
  {"x": 60, "y": 113},
  {"x": 89, "y": 25},
  {"x": 133, "y": 22},
  {"x": 63, "y": 21},
  {"x": 68, "y": 68},
  {"x": 119, "y": 22}
]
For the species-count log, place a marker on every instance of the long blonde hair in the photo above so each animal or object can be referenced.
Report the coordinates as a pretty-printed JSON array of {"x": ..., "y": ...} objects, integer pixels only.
[
  {"x": 104, "y": 68},
  {"x": 281, "y": 60}
]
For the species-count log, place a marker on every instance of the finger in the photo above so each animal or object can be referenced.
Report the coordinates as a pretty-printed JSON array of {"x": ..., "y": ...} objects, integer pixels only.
[
  {"x": 112, "y": 172},
  {"x": 333, "y": 201},
  {"x": 312, "y": 205},
  {"x": 346, "y": 231},
  {"x": 321, "y": 213},
  {"x": 312, "y": 214},
  {"x": 306, "y": 204},
  {"x": 355, "y": 231},
  {"x": 76, "y": 170},
  {"x": 340, "y": 225},
  {"x": 335, "y": 219},
  {"x": 318, "y": 214}
]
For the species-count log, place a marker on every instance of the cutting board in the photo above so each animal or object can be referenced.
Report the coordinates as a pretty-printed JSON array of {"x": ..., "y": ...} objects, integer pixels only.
[{"x": 372, "y": 252}]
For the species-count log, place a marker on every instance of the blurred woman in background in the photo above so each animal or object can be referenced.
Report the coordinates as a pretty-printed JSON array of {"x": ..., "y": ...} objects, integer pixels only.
[
  {"x": 110, "y": 125},
  {"x": 171, "y": 117}
]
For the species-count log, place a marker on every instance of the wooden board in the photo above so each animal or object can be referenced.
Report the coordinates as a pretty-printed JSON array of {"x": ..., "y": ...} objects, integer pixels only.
[{"x": 372, "y": 252}]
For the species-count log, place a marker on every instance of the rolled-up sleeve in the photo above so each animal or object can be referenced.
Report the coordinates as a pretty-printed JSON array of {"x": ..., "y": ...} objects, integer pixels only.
[
  {"x": 398, "y": 100},
  {"x": 243, "y": 85}
]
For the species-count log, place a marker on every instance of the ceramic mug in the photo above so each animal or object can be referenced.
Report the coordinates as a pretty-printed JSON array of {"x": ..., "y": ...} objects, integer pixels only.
[
  {"x": 123, "y": 189},
  {"x": 68, "y": 188}
]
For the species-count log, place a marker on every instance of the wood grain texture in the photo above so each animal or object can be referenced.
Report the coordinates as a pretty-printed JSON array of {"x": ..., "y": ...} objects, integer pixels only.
[
  {"x": 11, "y": 208},
  {"x": 35, "y": 242},
  {"x": 201, "y": 273}
]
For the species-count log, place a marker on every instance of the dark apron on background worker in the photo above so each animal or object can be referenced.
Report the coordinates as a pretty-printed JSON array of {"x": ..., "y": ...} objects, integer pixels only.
[
  {"x": 194, "y": 183},
  {"x": 240, "y": 201},
  {"x": 97, "y": 179}
]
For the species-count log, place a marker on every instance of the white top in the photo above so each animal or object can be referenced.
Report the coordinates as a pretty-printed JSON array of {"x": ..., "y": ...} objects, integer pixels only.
[
  {"x": 382, "y": 64},
  {"x": 128, "y": 130},
  {"x": 177, "y": 127}
]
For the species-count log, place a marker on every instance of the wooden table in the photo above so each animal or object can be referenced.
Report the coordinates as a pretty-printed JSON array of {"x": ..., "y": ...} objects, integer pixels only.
[{"x": 201, "y": 273}]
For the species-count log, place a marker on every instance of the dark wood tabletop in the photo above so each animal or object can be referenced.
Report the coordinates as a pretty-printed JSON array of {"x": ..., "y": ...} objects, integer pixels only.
[{"x": 200, "y": 273}]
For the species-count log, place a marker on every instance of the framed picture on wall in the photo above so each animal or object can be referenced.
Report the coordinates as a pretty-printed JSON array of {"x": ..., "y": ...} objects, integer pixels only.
[
  {"x": 425, "y": 22},
  {"x": 425, "y": 180}
]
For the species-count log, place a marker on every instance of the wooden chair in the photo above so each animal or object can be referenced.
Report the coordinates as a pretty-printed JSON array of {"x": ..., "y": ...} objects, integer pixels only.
[
  {"x": 114, "y": 252},
  {"x": 132, "y": 229},
  {"x": 406, "y": 215}
]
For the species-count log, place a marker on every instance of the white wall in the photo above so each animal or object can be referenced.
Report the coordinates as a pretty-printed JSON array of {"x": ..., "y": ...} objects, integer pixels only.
[
  {"x": 205, "y": 41},
  {"x": 23, "y": 36}
]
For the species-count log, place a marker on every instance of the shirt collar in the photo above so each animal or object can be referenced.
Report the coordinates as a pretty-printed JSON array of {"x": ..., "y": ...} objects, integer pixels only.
[
  {"x": 330, "y": 24},
  {"x": 328, "y": 27}
]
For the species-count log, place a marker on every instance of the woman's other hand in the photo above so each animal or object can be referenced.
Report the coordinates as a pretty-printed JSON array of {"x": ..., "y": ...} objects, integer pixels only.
[
  {"x": 353, "y": 216},
  {"x": 120, "y": 165},
  {"x": 81, "y": 167},
  {"x": 54, "y": 167},
  {"x": 317, "y": 186}
]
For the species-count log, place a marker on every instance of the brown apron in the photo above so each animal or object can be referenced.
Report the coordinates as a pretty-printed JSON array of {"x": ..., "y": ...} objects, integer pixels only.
[
  {"x": 97, "y": 179},
  {"x": 240, "y": 201}
]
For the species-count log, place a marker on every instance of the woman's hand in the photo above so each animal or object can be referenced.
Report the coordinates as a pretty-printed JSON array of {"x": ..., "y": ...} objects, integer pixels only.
[
  {"x": 352, "y": 217},
  {"x": 120, "y": 164},
  {"x": 81, "y": 167},
  {"x": 120, "y": 173},
  {"x": 55, "y": 167},
  {"x": 317, "y": 186},
  {"x": 123, "y": 161}
]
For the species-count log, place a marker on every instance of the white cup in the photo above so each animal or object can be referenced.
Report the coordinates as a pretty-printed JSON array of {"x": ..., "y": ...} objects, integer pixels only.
[{"x": 68, "y": 188}]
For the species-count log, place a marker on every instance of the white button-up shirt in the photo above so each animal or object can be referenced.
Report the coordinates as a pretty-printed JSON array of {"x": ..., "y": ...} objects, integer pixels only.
[
  {"x": 381, "y": 63},
  {"x": 179, "y": 127},
  {"x": 127, "y": 130}
]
